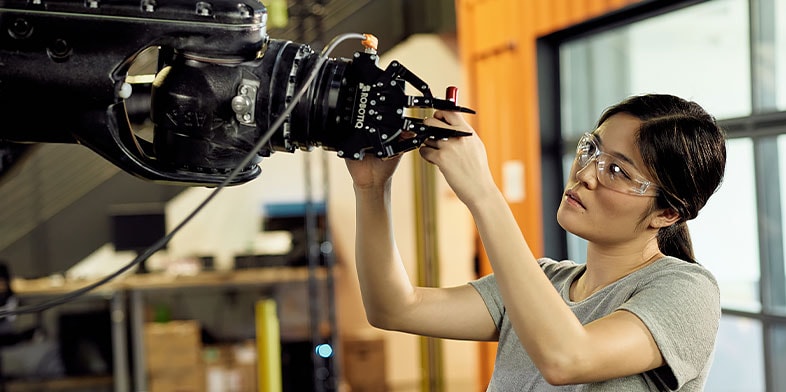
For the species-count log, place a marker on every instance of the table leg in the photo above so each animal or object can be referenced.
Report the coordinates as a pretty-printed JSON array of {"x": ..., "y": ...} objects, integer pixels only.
[
  {"x": 137, "y": 336},
  {"x": 119, "y": 342}
]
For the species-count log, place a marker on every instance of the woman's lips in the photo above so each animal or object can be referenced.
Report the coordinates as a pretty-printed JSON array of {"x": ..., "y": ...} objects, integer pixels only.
[{"x": 573, "y": 198}]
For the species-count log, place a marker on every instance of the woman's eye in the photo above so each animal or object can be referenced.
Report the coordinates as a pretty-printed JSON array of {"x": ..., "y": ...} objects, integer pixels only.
[{"x": 616, "y": 170}]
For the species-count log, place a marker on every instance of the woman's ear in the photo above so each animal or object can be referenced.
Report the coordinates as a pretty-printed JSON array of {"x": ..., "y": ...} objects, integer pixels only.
[{"x": 664, "y": 218}]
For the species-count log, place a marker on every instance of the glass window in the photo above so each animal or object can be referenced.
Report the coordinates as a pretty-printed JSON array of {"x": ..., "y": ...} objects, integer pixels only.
[
  {"x": 739, "y": 359},
  {"x": 700, "y": 53},
  {"x": 778, "y": 351},
  {"x": 782, "y": 179},
  {"x": 731, "y": 251},
  {"x": 779, "y": 53},
  {"x": 593, "y": 73}
]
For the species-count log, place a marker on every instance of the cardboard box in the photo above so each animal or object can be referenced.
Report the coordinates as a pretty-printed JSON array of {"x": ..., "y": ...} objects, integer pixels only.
[
  {"x": 364, "y": 363},
  {"x": 183, "y": 379},
  {"x": 172, "y": 345}
]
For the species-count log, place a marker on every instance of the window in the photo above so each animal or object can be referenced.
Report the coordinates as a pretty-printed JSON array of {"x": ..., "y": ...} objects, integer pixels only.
[
  {"x": 728, "y": 56},
  {"x": 735, "y": 267},
  {"x": 738, "y": 363}
]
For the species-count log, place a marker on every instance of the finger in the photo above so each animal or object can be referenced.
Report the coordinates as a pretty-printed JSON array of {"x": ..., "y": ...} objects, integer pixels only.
[
  {"x": 428, "y": 153},
  {"x": 452, "y": 118},
  {"x": 435, "y": 122},
  {"x": 430, "y": 143}
]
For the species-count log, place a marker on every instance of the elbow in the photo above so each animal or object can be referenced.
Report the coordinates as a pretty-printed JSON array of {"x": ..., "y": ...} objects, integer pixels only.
[
  {"x": 563, "y": 370},
  {"x": 379, "y": 320},
  {"x": 376, "y": 321}
]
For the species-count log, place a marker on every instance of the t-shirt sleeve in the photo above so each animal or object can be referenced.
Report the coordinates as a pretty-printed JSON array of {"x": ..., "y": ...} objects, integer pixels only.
[
  {"x": 681, "y": 308},
  {"x": 488, "y": 290}
]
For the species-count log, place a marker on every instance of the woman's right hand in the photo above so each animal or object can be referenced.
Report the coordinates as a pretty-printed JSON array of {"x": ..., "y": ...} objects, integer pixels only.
[{"x": 372, "y": 172}]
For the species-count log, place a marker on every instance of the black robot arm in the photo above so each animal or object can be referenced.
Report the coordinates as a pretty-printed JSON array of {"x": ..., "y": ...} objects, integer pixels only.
[{"x": 219, "y": 83}]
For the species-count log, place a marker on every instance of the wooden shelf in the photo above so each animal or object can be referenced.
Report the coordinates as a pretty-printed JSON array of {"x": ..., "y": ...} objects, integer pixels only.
[
  {"x": 61, "y": 384},
  {"x": 152, "y": 281}
]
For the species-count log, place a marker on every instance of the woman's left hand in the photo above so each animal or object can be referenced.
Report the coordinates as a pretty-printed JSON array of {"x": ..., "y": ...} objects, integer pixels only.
[{"x": 462, "y": 160}]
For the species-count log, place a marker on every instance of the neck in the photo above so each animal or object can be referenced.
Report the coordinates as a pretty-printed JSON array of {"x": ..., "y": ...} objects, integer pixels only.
[{"x": 608, "y": 265}]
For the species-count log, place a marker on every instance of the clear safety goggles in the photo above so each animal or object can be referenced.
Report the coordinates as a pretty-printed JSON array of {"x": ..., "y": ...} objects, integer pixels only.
[{"x": 612, "y": 172}]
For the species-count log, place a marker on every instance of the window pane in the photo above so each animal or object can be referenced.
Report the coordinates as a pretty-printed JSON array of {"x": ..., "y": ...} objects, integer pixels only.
[
  {"x": 782, "y": 179},
  {"x": 778, "y": 351},
  {"x": 593, "y": 77},
  {"x": 739, "y": 361},
  {"x": 700, "y": 53},
  {"x": 779, "y": 53},
  {"x": 731, "y": 252}
]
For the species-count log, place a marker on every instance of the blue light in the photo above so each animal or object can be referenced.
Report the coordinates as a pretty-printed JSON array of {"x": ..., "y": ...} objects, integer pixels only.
[{"x": 324, "y": 350}]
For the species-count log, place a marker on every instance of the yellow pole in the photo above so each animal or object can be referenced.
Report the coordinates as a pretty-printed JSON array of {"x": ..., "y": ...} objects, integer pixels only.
[
  {"x": 428, "y": 266},
  {"x": 268, "y": 347}
]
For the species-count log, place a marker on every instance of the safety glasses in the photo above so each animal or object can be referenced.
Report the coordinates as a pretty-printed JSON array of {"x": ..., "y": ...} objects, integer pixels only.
[{"x": 612, "y": 172}]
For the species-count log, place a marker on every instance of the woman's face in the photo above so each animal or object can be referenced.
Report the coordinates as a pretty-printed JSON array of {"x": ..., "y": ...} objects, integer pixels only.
[{"x": 599, "y": 213}]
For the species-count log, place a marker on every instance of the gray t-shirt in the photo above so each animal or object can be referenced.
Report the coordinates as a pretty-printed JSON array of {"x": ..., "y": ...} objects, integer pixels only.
[{"x": 678, "y": 301}]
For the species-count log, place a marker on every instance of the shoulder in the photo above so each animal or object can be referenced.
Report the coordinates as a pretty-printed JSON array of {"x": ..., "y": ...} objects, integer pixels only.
[
  {"x": 671, "y": 271},
  {"x": 551, "y": 266}
]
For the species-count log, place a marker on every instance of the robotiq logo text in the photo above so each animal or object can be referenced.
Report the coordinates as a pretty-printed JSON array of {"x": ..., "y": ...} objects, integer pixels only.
[{"x": 360, "y": 117}]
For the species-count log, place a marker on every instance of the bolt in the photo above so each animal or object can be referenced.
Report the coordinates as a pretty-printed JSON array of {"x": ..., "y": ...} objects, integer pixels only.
[
  {"x": 204, "y": 8},
  {"x": 241, "y": 104},
  {"x": 244, "y": 10},
  {"x": 59, "y": 50},
  {"x": 20, "y": 29},
  {"x": 149, "y": 5}
]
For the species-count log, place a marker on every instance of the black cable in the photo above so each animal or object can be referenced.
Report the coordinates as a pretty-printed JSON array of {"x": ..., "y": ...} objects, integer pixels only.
[{"x": 65, "y": 298}]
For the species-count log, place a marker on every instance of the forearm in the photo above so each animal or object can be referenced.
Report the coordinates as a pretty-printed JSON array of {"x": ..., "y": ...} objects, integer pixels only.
[
  {"x": 384, "y": 284},
  {"x": 547, "y": 328}
]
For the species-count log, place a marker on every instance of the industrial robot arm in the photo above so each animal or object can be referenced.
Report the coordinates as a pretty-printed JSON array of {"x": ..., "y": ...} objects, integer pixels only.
[{"x": 218, "y": 82}]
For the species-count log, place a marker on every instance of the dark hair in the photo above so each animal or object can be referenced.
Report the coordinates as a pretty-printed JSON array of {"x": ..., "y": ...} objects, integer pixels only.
[{"x": 685, "y": 152}]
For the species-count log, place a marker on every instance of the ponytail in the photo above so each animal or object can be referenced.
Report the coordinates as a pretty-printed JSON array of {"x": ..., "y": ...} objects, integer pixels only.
[{"x": 675, "y": 241}]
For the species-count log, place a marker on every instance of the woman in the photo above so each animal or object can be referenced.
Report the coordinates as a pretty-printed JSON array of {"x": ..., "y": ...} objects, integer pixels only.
[{"x": 639, "y": 314}]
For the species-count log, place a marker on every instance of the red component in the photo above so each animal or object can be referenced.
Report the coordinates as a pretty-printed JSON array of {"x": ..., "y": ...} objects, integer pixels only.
[{"x": 451, "y": 94}]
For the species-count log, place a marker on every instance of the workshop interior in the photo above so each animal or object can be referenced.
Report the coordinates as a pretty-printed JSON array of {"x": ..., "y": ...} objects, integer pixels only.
[{"x": 177, "y": 215}]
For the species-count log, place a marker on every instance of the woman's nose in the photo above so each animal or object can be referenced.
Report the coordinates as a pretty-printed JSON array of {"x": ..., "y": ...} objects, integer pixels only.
[{"x": 588, "y": 174}]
